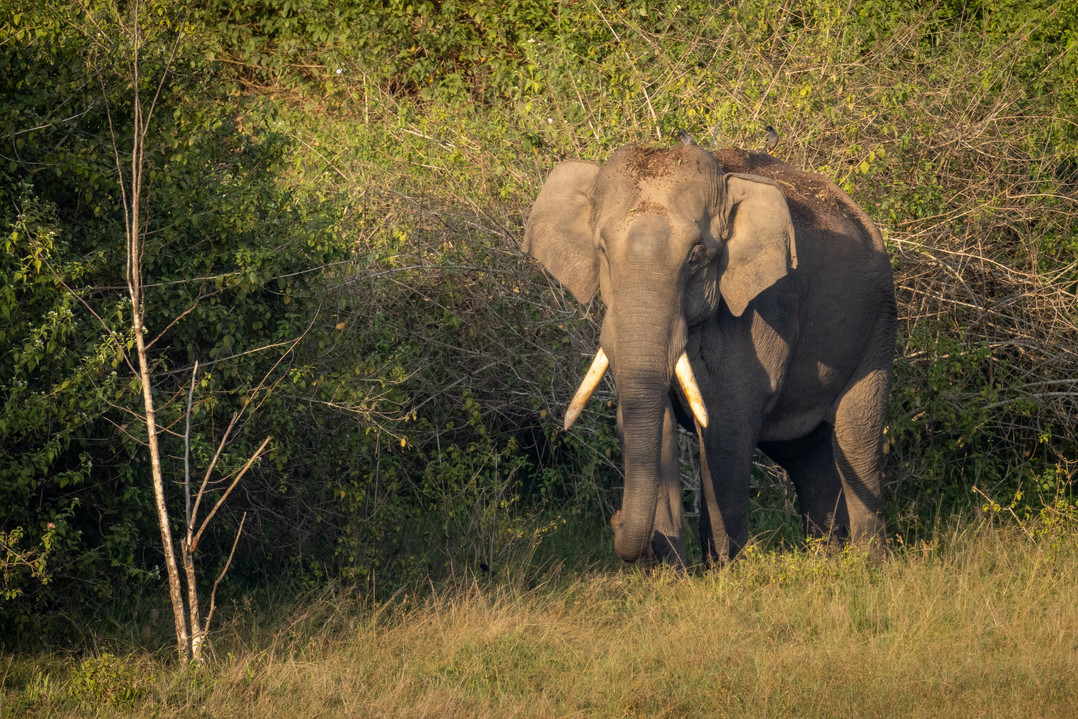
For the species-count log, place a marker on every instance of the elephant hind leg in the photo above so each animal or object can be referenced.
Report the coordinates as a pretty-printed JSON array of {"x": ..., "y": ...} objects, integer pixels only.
[
  {"x": 860, "y": 417},
  {"x": 810, "y": 463},
  {"x": 858, "y": 450}
]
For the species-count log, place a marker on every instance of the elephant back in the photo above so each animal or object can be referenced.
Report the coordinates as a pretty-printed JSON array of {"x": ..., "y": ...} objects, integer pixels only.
[{"x": 812, "y": 196}]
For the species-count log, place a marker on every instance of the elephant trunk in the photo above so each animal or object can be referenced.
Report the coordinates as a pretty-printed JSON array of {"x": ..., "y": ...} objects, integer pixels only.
[
  {"x": 647, "y": 334},
  {"x": 645, "y": 337},
  {"x": 642, "y": 397}
]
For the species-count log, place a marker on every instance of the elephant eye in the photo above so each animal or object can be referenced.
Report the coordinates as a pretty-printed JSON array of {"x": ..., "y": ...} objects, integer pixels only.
[{"x": 697, "y": 254}]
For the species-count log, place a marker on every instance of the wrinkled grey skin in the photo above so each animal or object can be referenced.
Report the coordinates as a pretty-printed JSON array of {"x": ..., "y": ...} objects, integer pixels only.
[{"x": 778, "y": 288}]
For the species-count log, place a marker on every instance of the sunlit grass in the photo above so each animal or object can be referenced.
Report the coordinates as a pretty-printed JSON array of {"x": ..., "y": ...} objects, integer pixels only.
[{"x": 980, "y": 622}]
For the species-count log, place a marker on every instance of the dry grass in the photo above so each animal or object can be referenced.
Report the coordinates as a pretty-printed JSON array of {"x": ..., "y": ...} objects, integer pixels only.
[{"x": 980, "y": 623}]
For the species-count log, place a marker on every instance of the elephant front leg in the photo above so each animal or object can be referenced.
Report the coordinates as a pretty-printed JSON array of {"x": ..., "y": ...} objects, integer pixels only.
[
  {"x": 667, "y": 541},
  {"x": 725, "y": 470}
]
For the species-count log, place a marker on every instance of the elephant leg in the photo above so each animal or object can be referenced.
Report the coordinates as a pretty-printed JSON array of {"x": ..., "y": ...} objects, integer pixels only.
[
  {"x": 667, "y": 541},
  {"x": 725, "y": 469},
  {"x": 858, "y": 450},
  {"x": 810, "y": 462}
]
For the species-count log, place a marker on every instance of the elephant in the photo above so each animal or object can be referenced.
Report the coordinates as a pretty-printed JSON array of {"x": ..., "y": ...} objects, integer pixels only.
[{"x": 748, "y": 301}]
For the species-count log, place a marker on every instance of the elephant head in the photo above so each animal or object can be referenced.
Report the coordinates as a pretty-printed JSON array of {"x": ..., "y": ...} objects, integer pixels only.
[{"x": 669, "y": 240}]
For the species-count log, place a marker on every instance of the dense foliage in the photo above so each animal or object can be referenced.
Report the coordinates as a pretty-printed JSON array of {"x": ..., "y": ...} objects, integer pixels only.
[{"x": 355, "y": 175}]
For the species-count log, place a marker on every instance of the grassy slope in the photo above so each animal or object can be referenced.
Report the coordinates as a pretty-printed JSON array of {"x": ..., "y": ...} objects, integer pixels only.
[{"x": 980, "y": 623}]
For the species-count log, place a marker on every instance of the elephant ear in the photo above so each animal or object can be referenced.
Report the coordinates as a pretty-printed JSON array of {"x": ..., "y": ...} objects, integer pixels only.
[
  {"x": 760, "y": 247},
  {"x": 558, "y": 232}
]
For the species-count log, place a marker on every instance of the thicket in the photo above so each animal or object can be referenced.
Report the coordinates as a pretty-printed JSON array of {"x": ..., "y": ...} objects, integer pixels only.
[{"x": 357, "y": 175}]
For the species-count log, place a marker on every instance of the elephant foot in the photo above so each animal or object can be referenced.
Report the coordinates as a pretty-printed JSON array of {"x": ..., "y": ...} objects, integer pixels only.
[
  {"x": 662, "y": 550},
  {"x": 669, "y": 551}
]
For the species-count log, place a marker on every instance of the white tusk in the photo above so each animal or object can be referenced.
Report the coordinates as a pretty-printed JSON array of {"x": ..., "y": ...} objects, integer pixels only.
[
  {"x": 692, "y": 390},
  {"x": 587, "y": 387}
]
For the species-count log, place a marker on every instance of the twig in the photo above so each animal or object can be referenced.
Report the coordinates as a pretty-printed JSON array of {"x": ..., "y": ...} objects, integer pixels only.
[
  {"x": 223, "y": 497},
  {"x": 228, "y": 562},
  {"x": 643, "y": 87},
  {"x": 187, "y": 450},
  {"x": 179, "y": 317}
]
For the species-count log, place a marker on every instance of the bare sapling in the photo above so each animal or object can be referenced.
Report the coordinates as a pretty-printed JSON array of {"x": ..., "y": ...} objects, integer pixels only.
[{"x": 191, "y": 625}]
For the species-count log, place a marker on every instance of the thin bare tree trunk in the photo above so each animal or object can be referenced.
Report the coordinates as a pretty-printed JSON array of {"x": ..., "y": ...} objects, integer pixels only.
[
  {"x": 174, "y": 589},
  {"x": 132, "y": 207},
  {"x": 198, "y": 630},
  {"x": 193, "y": 612},
  {"x": 190, "y": 630}
]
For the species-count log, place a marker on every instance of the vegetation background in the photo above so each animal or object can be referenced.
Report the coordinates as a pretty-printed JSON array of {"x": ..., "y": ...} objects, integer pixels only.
[{"x": 357, "y": 174}]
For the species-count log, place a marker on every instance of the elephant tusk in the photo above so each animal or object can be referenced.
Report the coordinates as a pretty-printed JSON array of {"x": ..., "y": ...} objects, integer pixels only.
[
  {"x": 587, "y": 387},
  {"x": 688, "y": 384}
]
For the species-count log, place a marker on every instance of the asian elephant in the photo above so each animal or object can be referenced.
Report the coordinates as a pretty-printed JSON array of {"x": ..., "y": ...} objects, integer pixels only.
[{"x": 747, "y": 300}]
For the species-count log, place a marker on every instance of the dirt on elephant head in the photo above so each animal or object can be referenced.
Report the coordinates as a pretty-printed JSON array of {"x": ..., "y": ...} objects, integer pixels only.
[
  {"x": 639, "y": 161},
  {"x": 812, "y": 196},
  {"x": 653, "y": 163}
]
